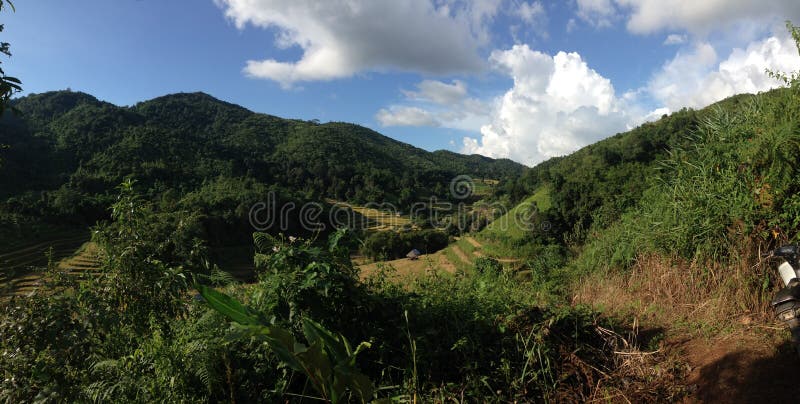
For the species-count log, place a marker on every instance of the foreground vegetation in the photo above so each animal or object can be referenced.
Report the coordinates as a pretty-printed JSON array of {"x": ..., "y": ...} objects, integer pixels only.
[
  {"x": 137, "y": 333},
  {"x": 720, "y": 187}
]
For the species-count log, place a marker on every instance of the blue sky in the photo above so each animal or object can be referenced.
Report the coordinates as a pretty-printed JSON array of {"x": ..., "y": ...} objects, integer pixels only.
[{"x": 505, "y": 78}]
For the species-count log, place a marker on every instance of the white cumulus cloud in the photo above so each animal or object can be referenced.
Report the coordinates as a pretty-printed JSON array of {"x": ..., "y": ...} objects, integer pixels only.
[
  {"x": 557, "y": 105},
  {"x": 702, "y": 16},
  {"x": 340, "y": 38},
  {"x": 697, "y": 78}
]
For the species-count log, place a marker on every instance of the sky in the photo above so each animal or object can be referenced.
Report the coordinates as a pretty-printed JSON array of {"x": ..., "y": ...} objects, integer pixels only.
[{"x": 522, "y": 79}]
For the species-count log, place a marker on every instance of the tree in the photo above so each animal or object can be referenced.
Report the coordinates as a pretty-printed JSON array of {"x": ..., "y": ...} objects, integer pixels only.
[
  {"x": 8, "y": 85},
  {"x": 791, "y": 79}
]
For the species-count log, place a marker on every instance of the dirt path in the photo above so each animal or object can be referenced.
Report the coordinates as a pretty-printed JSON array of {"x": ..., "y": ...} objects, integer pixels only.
[
  {"x": 474, "y": 242},
  {"x": 477, "y": 244},
  {"x": 460, "y": 254},
  {"x": 405, "y": 267},
  {"x": 743, "y": 368}
]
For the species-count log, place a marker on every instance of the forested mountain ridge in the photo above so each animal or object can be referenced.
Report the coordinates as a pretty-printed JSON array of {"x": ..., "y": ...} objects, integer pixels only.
[
  {"x": 70, "y": 142},
  {"x": 594, "y": 185}
]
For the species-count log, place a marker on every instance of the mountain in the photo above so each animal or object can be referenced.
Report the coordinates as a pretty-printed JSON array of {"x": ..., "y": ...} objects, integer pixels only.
[
  {"x": 182, "y": 139},
  {"x": 69, "y": 151}
]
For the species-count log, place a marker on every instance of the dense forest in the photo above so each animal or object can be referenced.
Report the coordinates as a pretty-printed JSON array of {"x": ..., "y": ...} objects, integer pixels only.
[{"x": 68, "y": 152}]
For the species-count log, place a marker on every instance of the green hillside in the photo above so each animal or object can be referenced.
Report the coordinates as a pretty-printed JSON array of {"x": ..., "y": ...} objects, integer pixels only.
[
  {"x": 69, "y": 151},
  {"x": 184, "y": 139}
]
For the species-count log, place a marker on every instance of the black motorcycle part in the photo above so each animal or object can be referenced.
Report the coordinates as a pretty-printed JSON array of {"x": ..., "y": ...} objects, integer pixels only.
[
  {"x": 788, "y": 294},
  {"x": 789, "y": 313},
  {"x": 790, "y": 253}
]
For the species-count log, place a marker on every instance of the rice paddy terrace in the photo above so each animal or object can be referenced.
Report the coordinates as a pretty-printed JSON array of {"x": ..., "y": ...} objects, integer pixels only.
[
  {"x": 21, "y": 265},
  {"x": 460, "y": 255}
]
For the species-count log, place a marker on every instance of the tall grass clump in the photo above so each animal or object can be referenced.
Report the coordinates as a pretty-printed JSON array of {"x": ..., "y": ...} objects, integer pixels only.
[
  {"x": 728, "y": 193},
  {"x": 737, "y": 181}
]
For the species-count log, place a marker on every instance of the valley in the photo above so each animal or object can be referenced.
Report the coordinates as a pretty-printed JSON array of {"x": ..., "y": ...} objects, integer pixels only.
[
  {"x": 574, "y": 280},
  {"x": 364, "y": 201}
]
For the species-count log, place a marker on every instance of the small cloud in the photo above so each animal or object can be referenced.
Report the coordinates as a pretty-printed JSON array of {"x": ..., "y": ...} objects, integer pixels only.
[
  {"x": 438, "y": 92},
  {"x": 534, "y": 21},
  {"x": 571, "y": 25},
  {"x": 405, "y": 116},
  {"x": 652, "y": 116},
  {"x": 530, "y": 12},
  {"x": 675, "y": 39},
  {"x": 599, "y": 13}
]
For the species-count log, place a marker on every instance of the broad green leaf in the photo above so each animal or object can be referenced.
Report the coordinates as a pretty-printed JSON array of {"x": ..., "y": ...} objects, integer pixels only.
[
  {"x": 229, "y": 306},
  {"x": 316, "y": 332}
]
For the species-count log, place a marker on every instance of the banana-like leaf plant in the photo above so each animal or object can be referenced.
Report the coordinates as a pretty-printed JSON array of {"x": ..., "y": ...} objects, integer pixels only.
[{"x": 328, "y": 360}]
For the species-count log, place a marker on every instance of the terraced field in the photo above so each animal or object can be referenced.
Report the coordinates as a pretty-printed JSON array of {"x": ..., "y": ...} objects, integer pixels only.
[
  {"x": 371, "y": 218},
  {"x": 85, "y": 262},
  {"x": 460, "y": 255},
  {"x": 18, "y": 267}
]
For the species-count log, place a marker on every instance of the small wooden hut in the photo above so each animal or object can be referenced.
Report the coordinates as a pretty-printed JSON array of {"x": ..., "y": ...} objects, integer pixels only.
[{"x": 413, "y": 254}]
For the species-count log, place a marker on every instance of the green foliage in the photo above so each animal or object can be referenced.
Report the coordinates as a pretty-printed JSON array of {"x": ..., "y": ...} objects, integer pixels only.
[
  {"x": 304, "y": 279},
  {"x": 142, "y": 247},
  {"x": 69, "y": 146},
  {"x": 8, "y": 85},
  {"x": 328, "y": 361},
  {"x": 45, "y": 346},
  {"x": 132, "y": 335},
  {"x": 390, "y": 245},
  {"x": 791, "y": 79},
  {"x": 736, "y": 182},
  {"x": 490, "y": 265}
]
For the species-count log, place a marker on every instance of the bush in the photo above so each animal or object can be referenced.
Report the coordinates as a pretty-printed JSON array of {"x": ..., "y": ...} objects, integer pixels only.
[{"x": 388, "y": 245}]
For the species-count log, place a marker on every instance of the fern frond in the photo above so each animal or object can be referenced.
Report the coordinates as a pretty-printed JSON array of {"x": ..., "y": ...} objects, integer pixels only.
[
  {"x": 220, "y": 277},
  {"x": 263, "y": 242}
]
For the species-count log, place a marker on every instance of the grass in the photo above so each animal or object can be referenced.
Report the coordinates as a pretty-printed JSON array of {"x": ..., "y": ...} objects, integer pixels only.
[
  {"x": 511, "y": 225},
  {"x": 404, "y": 269},
  {"x": 676, "y": 294},
  {"x": 458, "y": 256},
  {"x": 542, "y": 198},
  {"x": 483, "y": 187},
  {"x": 376, "y": 219},
  {"x": 467, "y": 247}
]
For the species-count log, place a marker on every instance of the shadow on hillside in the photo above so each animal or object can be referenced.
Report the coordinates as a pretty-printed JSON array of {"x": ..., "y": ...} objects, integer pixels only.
[{"x": 747, "y": 377}]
